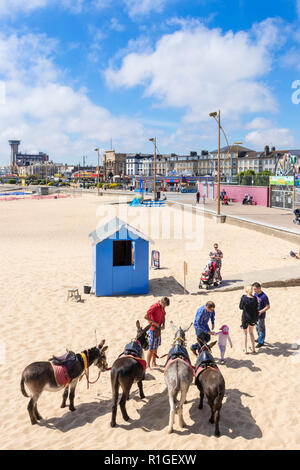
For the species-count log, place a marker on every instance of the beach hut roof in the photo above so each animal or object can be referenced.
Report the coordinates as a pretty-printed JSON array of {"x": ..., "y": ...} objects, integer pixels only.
[{"x": 113, "y": 226}]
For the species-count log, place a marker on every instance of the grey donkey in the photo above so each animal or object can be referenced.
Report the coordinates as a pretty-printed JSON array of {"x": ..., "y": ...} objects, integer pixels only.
[{"x": 178, "y": 375}]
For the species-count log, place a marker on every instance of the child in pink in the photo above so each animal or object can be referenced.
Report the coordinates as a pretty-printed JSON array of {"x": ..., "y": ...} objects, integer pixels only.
[{"x": 222, "y": 340}]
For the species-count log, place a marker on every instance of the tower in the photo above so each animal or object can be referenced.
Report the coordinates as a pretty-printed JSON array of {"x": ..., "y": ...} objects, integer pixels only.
[{"x": 13, "y": 156}]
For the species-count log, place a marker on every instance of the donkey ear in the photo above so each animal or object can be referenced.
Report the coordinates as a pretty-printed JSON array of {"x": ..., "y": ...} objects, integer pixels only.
[
  {"x": 104, "y": 349},
  {"x": 147, "y": 328},
  {"x": 138, "y": 325},
  {"x": 187, "y": 329},
  {"x": 211, "y": 345},
  {"x": 173, "y": 326},
  {"x": 101, "y": 344}
]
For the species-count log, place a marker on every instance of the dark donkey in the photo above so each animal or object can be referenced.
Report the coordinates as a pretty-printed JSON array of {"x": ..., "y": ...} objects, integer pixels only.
[
  {"x": 126, "y": 370},
  {"x": 210, "y": 382},
  {"x": 40, "y": 376}
]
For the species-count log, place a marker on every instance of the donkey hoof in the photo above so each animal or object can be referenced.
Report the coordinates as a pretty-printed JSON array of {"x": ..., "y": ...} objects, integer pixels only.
[
  {"x": 211, "y": 421},
  {"x": 217, "y": 434},
  {"x": 63, "y": 405},
  {"x": 170, "y": 431},
  {"x": 72, "y": 408},
  {"x": 113, "y": 425}
]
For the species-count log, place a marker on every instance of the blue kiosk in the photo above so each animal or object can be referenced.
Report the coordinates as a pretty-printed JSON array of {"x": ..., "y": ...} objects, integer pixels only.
[{"x": 120, "y": 259}]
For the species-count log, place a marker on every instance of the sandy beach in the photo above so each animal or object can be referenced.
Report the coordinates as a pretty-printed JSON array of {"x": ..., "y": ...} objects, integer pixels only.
[{"x": 45, "y": 249}]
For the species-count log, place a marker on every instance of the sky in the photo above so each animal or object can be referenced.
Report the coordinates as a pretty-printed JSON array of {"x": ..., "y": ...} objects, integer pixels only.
[{"x": 76, "y": 75}]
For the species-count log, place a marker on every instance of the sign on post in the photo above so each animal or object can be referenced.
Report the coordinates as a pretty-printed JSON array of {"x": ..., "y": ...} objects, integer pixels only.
[{"x": 155, "y": 259}]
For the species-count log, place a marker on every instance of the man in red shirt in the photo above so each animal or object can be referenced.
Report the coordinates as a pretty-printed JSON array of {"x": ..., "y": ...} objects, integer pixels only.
[{"x": 156, "y": 316}]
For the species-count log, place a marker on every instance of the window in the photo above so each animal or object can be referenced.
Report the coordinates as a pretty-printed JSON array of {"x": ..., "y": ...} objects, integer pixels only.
[{"x": 122, "y": 253}]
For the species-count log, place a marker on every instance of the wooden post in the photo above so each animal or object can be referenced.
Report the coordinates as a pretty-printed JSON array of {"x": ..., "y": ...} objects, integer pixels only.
[{"x": 185, "y": 270}]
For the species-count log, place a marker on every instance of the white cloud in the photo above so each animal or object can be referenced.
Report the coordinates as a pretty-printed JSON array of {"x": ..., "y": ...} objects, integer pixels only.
[
  {"x": 144, "y": 7},
  {"x": 13, "y": 7},
  {"x": 201, "y": 70},
  {"x": 266, "y": 133},
  {"x": 48, "y": 115}
]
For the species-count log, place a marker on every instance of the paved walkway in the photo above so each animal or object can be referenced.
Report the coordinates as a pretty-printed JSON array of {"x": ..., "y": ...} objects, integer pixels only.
[
  {"x": 282, "y": 277},
  {"x": 276, "y": 218}
]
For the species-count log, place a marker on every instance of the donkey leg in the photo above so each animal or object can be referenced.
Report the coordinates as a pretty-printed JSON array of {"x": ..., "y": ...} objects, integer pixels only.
[
  {"x": 211, "y": 404},
  {"x": 32, "y": 407},
  {"x": 65, "y": 396},
  {"x": 123, "y": 400},
  {"x": 172, "y": 411},
  {"x": 218, "y": 407},
  {"x": 35, "y": 410},
  {"x": 72, "y": 394},
  {"x": 180, "y": 406},
  {"x": 115, "y": 390},
  {"x": 140, "y": 385}
]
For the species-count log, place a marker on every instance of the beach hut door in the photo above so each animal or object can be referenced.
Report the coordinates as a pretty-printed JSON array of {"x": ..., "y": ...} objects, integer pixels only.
[{"x": 122, "y": 266}]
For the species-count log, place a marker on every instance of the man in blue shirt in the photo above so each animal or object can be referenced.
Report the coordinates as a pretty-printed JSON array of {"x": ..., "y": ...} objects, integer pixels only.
[
  {"x": 263, "y": 306},
  {"x": 203, "y": 315}
]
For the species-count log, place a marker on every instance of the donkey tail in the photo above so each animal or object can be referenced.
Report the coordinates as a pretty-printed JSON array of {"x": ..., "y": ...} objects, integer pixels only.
[{"x": 23, "y": 387}]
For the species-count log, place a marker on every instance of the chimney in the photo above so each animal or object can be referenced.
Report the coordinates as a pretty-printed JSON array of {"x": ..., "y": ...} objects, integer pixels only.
[
  {"x": 267, "y": 150},
  {"x": 273, "y": 149}
]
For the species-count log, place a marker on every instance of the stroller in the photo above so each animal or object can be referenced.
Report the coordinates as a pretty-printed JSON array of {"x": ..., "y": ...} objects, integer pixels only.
[
  {"x": 297, "y": 219},
  {"x": 207, "y": 277}
]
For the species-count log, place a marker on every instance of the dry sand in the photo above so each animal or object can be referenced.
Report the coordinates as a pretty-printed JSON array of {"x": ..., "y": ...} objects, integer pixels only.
[{"x": 45, "y": 249}]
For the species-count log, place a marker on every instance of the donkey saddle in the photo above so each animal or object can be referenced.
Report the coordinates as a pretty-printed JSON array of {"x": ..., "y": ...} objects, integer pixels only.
[
  {"x": 67, "y": 360},
  {"x": 133, "y": 349},
  {"x": 205, "y": 359}
]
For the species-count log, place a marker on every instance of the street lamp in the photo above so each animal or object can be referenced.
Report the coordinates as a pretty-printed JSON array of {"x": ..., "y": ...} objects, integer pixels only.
[
  {"x": 217, "y": 117},
  {"x": 98, "y": 170},
  {"x": 153, "y": 139}
]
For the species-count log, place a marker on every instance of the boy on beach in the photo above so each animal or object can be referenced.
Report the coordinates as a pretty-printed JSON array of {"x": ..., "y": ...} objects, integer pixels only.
[
  {"x": 156, "y": 316},
  {"x": 263, "y": 307}
]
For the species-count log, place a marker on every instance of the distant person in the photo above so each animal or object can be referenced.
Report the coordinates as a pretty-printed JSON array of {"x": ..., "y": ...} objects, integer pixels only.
[
  {"x": 249, "y": 305},
  {"x": 226, "y": 200},
  {"x": 203, "y": 198},
  {"x": 198, "y": 197},
  {"x": 263, "y": 307},
  {"x": 245, "y": 199},
  {"x": 203, "y": 316},
  {"x": 217, "y": 257},
  {"x": 156, "y": 317}
]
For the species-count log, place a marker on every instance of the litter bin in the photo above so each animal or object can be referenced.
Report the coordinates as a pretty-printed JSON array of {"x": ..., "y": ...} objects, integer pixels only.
[
  {"x": 157, "y": 195},
  {"x": 87, "y": 289}
]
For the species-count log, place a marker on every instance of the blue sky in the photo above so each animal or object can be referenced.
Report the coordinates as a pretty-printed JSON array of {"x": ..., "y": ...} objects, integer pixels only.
[{"x": 77, "y": 73}]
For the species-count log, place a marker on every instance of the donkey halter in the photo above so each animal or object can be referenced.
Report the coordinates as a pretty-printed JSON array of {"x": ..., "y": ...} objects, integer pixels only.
[{"x": 179, "y": 339}]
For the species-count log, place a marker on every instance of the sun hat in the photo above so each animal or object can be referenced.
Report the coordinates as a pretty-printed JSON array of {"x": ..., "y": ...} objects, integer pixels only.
[{"x": 225, "y": 329}]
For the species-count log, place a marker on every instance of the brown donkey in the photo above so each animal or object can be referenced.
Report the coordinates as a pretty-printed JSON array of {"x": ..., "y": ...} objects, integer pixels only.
[
  {"x": 126, "y": 370},
  {"x": 210, "y": 382},
  {"x": 40, "y": 376}
]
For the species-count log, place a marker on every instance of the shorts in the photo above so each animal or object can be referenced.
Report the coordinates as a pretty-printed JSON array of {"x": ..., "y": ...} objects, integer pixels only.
[
  {"x": 153, "y": 342},
  {"x": 245, "y": 324}
]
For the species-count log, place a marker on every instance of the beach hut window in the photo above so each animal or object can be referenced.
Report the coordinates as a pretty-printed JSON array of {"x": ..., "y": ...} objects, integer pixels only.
[{"x": 122, "y": 253}]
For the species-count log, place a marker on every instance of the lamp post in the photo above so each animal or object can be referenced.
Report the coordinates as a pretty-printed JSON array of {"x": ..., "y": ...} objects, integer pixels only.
[
  {"x": 153, "y": 139},
  {"x": 98, "y": 171},
  {"x": 217, "y": 117}
]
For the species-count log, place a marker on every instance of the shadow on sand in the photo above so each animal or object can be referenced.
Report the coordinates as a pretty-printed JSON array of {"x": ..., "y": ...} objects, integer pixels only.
[
  {"x": 165, "y": 286},
  {"x": 236, "y": 419}
]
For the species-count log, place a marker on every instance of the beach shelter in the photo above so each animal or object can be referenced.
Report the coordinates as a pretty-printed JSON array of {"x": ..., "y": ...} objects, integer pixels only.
[{"x": 120, "y": 259}]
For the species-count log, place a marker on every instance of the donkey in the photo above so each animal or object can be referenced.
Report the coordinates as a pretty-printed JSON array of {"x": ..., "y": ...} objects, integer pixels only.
[
  {"x": 178, "y": 375},
  {"x": 40, "y": 376},
  {"x": 126, "y": 370},
  {"x": 210, "y": 382}
]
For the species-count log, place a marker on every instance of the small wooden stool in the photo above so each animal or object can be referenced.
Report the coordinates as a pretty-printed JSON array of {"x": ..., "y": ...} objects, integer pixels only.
[{"x": 74, "y": 294}]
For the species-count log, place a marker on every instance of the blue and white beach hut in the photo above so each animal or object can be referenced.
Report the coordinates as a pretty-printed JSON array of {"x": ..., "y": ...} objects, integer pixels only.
[{"x": 120, "y": 259}]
